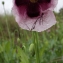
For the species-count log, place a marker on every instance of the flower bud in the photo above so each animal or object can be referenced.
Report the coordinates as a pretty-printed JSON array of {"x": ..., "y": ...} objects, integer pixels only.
[
  {"x": 3, "y": 2},
  {"x": 31, "y": 49}
]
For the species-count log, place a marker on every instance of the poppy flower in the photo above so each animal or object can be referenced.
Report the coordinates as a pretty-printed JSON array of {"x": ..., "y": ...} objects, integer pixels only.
[{"x": 34, "y": 15}]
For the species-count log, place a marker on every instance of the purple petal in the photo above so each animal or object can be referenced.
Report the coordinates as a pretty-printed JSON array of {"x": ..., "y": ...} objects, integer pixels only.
[
  {"x": 48, "y": 5},
  {"x": 42, "y": 23},
  {"x": 35, "y": 16}
]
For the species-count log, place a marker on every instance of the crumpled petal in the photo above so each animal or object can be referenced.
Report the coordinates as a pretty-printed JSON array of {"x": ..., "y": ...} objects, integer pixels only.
[
  {"x": 49, "y": 6},
  {"x": 42, "y": 23},
  {"x": 43, "y": 6}
]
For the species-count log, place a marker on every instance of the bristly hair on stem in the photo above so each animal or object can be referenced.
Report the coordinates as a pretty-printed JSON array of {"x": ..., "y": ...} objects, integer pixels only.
[
  {"x": 33, "y": 27},
  {"x": 41, "y": 17}
]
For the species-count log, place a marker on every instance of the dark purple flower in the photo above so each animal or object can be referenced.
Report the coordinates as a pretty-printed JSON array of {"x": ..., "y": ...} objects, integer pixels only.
[{"x": 35, "y": 15}]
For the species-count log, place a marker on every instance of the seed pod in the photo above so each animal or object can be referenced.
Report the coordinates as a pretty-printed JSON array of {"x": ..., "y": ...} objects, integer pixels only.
[{"x": 3, "y": 2}]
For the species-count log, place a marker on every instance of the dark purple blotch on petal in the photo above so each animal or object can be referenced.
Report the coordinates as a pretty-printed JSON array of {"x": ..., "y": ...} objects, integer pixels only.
[
  {"x": 21, "y": 2},
  {"x": 33, "y": 10}
]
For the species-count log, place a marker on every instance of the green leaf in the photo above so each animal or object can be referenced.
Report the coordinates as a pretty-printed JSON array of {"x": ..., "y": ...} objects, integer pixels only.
[
  {"x": 41, "y": 52},
  {"x": 7, "y": 47},
  {"x": 1, "y": 49},
  {"x": 24, "y": 57}
]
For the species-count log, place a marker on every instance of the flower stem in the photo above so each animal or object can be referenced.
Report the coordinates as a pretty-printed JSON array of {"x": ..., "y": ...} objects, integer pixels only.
[
  {"x": 6, "y": 22},
  {"x": 36, "y": 44}
]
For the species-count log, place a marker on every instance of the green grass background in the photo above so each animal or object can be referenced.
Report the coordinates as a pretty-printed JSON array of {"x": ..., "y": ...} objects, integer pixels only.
[{"x": 15, "y": 43}]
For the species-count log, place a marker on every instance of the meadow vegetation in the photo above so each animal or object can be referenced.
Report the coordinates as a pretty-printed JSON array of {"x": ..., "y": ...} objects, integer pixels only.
[{"x": 16, "y": 44}]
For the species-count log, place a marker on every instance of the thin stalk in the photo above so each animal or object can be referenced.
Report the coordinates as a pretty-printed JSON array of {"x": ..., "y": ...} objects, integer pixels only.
[
  {"x": 6, "y": 21},
  {"x": 36, "y": 44}
]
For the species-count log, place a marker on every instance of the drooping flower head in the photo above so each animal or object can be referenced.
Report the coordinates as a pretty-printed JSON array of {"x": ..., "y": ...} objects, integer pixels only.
[{"x": 35, "y": 15}]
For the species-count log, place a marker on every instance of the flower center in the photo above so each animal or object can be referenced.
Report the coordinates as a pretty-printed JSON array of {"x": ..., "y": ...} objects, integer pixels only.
[{"x": 33, "y": 1}]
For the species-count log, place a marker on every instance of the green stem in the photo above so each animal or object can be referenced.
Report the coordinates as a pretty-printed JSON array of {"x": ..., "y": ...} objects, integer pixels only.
[
  {"x": 36, "y": 44},
  {"x": 6, "y": 22}
]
